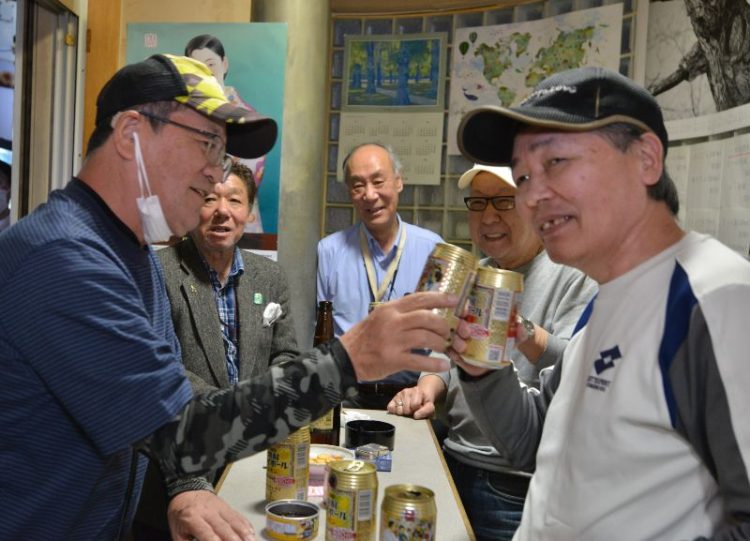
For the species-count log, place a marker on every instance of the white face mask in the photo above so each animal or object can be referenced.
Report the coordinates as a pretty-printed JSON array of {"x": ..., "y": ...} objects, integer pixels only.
[{"x": 155, "y": 227}]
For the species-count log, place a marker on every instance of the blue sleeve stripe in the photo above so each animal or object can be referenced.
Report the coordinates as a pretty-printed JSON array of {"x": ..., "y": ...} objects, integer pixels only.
[
  {"x": 680, "y": 304},
  {"x": 585, "y": 315}
]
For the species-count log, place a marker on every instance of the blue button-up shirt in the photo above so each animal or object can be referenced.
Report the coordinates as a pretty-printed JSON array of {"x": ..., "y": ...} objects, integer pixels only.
[{"x": 342, "y": 277}]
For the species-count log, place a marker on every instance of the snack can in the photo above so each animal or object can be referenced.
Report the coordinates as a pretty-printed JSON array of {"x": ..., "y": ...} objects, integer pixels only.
[
  {"x": 351, "y": 501},
  {"x": 290, "y": 520},
  {"x": 408, "y": 513},
  {"x": 491, "y": 308},
  {"x": 288, "y": 467},
  {"x": 449, "y": 269}
]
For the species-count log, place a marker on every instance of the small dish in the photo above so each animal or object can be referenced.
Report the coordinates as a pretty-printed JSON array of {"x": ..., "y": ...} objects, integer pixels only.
[
  {"x": 321, "y": 455},
  {"x": 364, "y": 432}
]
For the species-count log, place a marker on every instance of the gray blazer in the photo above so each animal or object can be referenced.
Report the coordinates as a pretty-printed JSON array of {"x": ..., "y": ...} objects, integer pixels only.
[{"x": 196, "y": 319}]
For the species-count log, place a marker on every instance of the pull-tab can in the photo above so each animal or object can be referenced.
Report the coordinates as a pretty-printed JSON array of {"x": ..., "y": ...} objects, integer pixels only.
[
  {"x": 288, "y": 467},
  {"x": 491, "y": 309},
  {"x": 449, "y": 269},
  {"x": 408, "y": 513},
  {"x": 351, "y": 507}
]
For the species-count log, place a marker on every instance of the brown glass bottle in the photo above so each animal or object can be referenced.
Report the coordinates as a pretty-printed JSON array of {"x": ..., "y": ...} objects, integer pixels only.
[{"x": 325, "y": 429}]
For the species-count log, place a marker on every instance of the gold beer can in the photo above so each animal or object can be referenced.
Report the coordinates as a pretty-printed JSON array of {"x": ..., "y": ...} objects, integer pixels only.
[
  {"x": 491, "y": 309},
  {"x": 288, "y": 467},
  {"x": 408, "y": 513},
  {"x": 449, "y": 269},
  {"x": 351, "y": 505}
]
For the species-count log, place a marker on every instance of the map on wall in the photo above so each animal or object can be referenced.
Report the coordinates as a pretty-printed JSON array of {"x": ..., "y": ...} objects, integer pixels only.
[{"x": 500, "y": 65}]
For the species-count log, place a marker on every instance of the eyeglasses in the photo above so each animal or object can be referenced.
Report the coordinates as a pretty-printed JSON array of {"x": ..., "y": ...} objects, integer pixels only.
[
  {"x": 214, "y": 146},
  {"x": 499, "y": 202}
]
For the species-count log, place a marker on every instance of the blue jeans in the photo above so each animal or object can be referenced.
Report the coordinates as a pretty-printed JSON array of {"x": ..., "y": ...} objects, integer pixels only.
[{"x": 494, "y": 506}]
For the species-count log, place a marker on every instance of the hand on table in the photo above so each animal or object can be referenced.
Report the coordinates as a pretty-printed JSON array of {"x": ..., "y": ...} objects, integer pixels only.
[
  {"x": 202, "y": 515},
  {"x": 412, "y": 402},
  {"x": 419, "y": 401},
  {"x": 382, "y": 343}
]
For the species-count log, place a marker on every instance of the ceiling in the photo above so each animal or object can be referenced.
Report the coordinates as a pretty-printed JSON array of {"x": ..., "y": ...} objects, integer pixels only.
[{"x": 411, "y": 6}]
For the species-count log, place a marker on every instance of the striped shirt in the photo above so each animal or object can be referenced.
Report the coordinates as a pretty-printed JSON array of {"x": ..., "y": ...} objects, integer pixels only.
[
  {"x": 90, "y": 366},
  {"x": 226, "y": 304}
]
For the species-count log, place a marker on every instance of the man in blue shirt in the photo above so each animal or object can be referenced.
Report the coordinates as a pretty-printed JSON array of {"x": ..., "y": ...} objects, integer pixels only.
[{"x": 376, "y": 260}]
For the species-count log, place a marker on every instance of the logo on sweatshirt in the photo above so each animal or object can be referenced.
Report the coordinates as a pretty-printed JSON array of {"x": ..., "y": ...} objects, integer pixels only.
[{"x": 601, "y": 365}]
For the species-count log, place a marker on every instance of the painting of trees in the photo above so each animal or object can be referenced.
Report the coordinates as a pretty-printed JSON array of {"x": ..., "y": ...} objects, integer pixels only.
[
  {"x": 394, "y": 71},
  {"x": 721, "y": 52}
]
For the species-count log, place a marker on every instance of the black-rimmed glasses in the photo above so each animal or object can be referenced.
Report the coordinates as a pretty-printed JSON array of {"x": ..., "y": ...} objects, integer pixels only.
[
  {"x": 499, "y": 202},
  {"x": 214, "y": 145}
]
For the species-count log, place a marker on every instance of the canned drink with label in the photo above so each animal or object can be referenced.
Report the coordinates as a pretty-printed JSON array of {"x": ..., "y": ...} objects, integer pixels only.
[
  {"x": 351, "y": 501},
  {"x": 408, "y": 513},
  {"x": 288, "y": 467},
  {"x": 292, "y": 520},
  {"x": 491, "y": 308},
  {"x": 449, "y": 269}
]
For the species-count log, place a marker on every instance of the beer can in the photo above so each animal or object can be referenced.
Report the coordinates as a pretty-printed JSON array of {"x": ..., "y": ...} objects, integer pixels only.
[
  {"x": 351, "y": 501},
  {"x": 449, "y": 269},
  {"x": 492, "y": 307},
  {"x": 288, "y": 467},
  {"x": 291, "y": 520},
  {"x": 408, "y": 513}
]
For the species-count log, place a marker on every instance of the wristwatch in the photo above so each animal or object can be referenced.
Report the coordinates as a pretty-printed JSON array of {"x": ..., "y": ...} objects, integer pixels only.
[{"x": 528, "y": 327}]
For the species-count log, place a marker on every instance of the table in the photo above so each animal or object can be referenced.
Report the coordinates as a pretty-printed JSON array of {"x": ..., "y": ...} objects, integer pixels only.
[{"x": 417, "y": 459}]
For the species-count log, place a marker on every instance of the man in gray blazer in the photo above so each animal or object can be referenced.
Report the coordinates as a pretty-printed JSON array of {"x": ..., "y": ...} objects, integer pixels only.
[
  {"x": 200, "y": 273},
  {"x": 231, "y": 314}
]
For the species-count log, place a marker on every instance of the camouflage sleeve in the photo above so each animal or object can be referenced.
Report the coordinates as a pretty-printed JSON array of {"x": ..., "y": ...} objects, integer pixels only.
[
  {"x": 188, "y": 484},
  {"x": 228, "y": 424}
]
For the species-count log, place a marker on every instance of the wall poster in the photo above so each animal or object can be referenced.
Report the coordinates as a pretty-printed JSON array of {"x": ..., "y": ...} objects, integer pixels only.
[
  {"x": 253, "y": 76},
  {"x": 707, "y": 107}
]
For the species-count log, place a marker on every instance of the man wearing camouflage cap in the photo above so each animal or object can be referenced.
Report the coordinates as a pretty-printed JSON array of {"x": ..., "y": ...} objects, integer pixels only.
[
  {"x": 646, "y": 436},
  {"x": 92, "y": 379}
]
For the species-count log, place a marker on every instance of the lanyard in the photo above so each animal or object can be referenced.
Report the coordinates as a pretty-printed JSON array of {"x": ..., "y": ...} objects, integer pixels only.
[{"x": 378, "y": 292}]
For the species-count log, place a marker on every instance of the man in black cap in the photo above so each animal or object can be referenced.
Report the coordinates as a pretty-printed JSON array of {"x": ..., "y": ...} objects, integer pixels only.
[
  {"x": 92, "y": 379},
  {"x": 645, "y": 437}
]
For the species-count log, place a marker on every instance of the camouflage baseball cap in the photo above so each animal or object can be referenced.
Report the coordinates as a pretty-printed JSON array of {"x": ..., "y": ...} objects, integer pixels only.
[{"x": 166, "y": 77}]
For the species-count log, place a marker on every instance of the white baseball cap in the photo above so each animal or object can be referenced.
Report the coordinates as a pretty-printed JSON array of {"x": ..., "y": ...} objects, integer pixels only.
[{"x": 503, "y": 173}]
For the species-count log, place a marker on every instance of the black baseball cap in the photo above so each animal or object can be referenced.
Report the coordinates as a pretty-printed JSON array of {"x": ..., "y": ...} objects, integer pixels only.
[
  {"x": 165, "y": 77},
  {"x": 576, "y": 100}
]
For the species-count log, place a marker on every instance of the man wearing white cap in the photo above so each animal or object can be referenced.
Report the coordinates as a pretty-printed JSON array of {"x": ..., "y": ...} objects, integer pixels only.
[{"x": 491, "y": 490}]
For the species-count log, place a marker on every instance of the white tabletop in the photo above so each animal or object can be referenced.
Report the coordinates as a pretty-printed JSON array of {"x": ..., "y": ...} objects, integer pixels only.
[{"x": 417, "y": 459}]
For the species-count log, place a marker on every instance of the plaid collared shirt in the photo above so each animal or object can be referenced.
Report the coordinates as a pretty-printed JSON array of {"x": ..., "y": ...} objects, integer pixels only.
[{"x": 226, "y": 304}]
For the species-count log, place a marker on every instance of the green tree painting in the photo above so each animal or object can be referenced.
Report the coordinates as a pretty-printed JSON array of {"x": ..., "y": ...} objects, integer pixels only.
[{"x": 390, "y": 72}]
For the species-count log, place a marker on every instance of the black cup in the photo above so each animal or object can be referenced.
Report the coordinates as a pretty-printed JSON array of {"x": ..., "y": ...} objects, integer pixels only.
[{"x": 363, "y": 432}]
